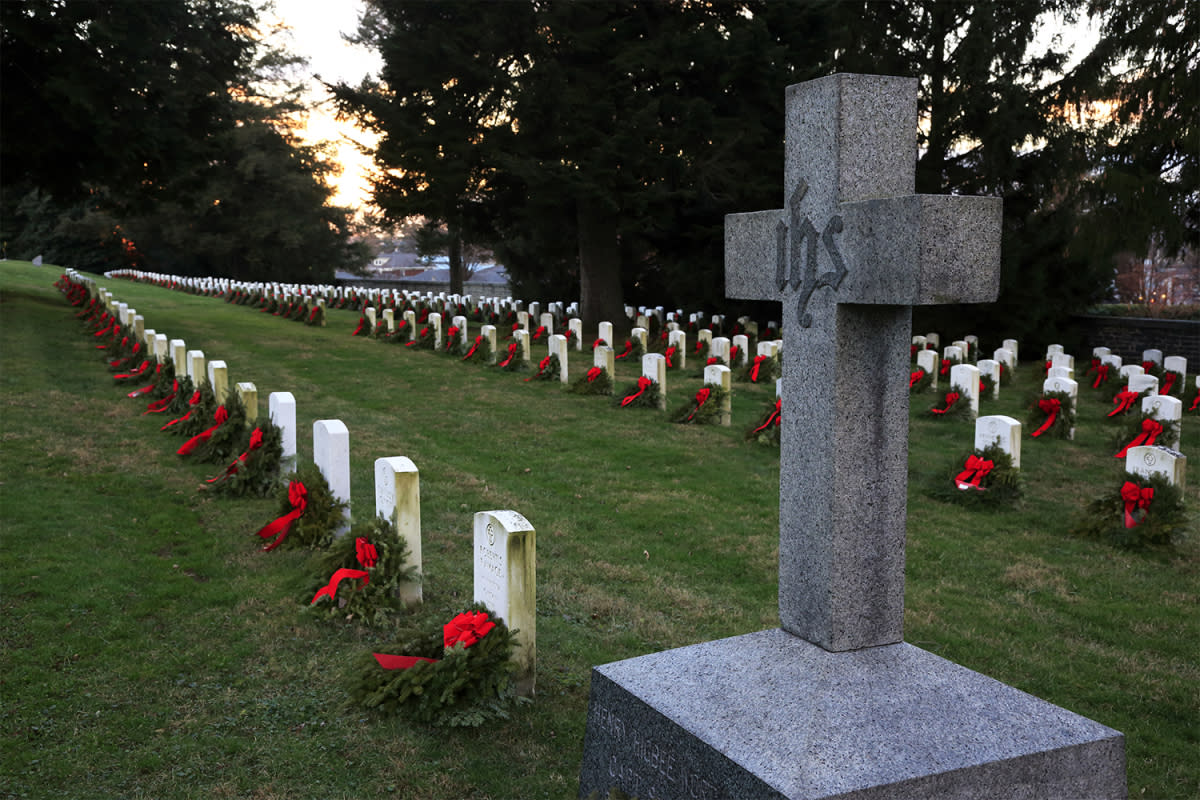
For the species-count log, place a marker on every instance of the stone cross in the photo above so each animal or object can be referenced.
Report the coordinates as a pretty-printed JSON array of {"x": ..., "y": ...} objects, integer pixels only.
[{"x": 852, "y": 251}]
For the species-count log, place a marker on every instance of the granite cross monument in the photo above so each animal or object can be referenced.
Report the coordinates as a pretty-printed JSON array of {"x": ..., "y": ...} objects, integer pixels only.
[{"x": 835, "y": 704}]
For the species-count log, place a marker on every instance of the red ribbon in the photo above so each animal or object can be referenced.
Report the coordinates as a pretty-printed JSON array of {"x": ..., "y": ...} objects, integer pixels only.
[
  {"x": 701, "y": 398},
  {"x": 141, "y": 370},
  {"x": 599, "y": 343},
  {"x": 1101, "y": 376},
  {"x": 1149, "y": 366},
  {"x": 471, "y": 352},
  {"x": 912, "y": 352},
  {"x": 256, "y": 441},
  {"x": 733, "y": 355},
  {"x": 512, "y": 351},
  {"x": 1136, "y": 498},
  {"x": 420, "y": 336},
  {"x": 670, "y": 354},
  {"x": 545, "y": 362},
  {"x": 191, "y": 444},
  {"x": 714, "y": 360},
  {"x": 539, "y": 333},
  {"x": 1095, "y": 365},
  {"x": 774, "y": 418},
  {"x": 643, "y": 384},
  {"x": 915, "y": 377},
  {"x": 594, "y": 373},
  {"x": 976, "y": 469},
  {"x": 1151, "y": 428},
  {"x": 628, "y": 349},
  {"x": 1168, "y": 382},
  {"x": 452, "y": 334},
  {"x": 758, "y": 360},
  {"x": 946, "y": 366},
  {"x": 330, "y": 589},
  {"x": 467, "y": 628},
  {"x": 951, "y": 399},
  {"x": 192, "y": 402},
  {"x": 159, "y": 406},
  {"x": 365, "y": 552},
  {"x": 1195, "y": 402},
  {"x": 1049, "y": 406},
  {"x": 361, "y": 322},
  {"x": 298, "y": 498},
  {"x": 1124, "y": 401}
]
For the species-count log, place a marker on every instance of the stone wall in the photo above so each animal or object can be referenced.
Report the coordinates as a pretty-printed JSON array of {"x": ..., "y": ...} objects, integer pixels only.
[{"x": 1127, "y": 337}]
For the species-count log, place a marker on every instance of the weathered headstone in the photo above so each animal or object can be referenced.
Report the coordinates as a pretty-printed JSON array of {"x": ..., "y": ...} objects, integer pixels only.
[
  {"x": 282, "y": 408},
  {"x": 604, "y": 356},
  {"x": 835, "y": 704},
  {"x": 331, "y": 454},
  {"x": 506, "y": 580},
  {"x": 719, "y": 348},
  {"x": 398, "y": 499},
  {"x": 1011, "y": 346},
  {"x": 575, "y": 325},
  {"x": 1001, "y": 430}
]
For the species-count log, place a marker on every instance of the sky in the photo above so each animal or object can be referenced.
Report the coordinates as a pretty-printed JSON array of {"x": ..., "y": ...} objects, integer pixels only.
[{"x": 316, "y": 29}]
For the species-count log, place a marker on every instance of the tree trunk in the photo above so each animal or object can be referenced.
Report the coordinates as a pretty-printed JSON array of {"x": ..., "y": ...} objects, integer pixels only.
[
  {"x": 600, "y": 296},
  {"x": 454, "y": 249}
]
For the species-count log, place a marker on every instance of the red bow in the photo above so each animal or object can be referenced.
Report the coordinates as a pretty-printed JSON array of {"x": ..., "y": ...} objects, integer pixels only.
[
  {"x": 670, "y": 354},
  {"x": 1124, "y": 401},
  {"x": 158, "y": 406},
  {"x": 468, "y": 628},
  {"x": 420, "y": 336},
  {"x": 545, "y": 362},
  {"x": 539, "y": 333},
  {"x": 1095, "y": 365},
  {"x": 594, "y": 373},
  {"x": 1136, "y": 498},
  {"x": 773, "y": 418},
  {"x": 701, "y": 398},
  {"x": 628, "y": 349},
  {"x": 1049, "y": 406},
  {"x": 145, "y": 365},
  {"x": 915, "y": 377},
  {"x": 365, "y": 552},
  {"x": 192, "y": 402},
  {"x": 951, "y": 399},
  {"x": 298, "y": 498},
  {"x": 1151, "y": 428},
  {"x": 758, "y": 360},
  {"x": 643, "y": 384},
  {"x": 976, "y": 470},
  {"x": 330, "y": 589},
  {"x": 1168, "y": 382},
  {"x": 598, "y": 343},
  {"x": 471, "y": 352},
  {"x": 361, "y": 322},
  {"x": 256, "y": 441},
  {"x": 452, "y": 333},
  {"x": 1149, "y": 366},
  {"x": 1101, "y": 376},
  {"x": 512, "y": 351},
  {"x": 191, "y": 444},
  {"x": 1196, "y": 402},
  {"x": 945, "y": 366},
  {"x": 733, "y": 355}
]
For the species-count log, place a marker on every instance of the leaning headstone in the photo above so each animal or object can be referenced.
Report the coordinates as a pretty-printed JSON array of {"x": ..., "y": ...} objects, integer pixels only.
[
  {"x": 720, "y": 375},
  {"x": 1150, "y": 460},
  {"x": 1165, "y": 409},
  {"x": 965, "y": 377},
  {"x": 1001, "y": 430},
  {"x": 654, "y": 367},
  {"x": 506, "y": 581},
  {"x": 282, "y": 408},
  {"x": 835, "y": 704},
  {"x": 331, "y": 454},
  {"x": 398, "y": 499}
]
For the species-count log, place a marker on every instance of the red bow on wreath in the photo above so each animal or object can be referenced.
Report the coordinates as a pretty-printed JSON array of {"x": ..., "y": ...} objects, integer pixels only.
[
  {"x": 193, "y": 402},
  {"x": 365, "y": 552},
  {"x": 281, "y": 527},
  {"x": 1195, "y": 402},
  {"x": 1168, "y": 382},
  {"x": 471, "y": 352},
  {"x": 951, "y": 399},
  {"x": 330, "y": 589},
  {"x": 599, "y": 343},
  {"x": 669, "y": 355},
  {"x": 1095, "y": 365},
  {"x": 545, "y": 362},
  {"x": 1050, "y": 406},
  {"x": 1149, "y": 366},
  {"x": 512, "y": 352},
  {"x": 256, "y": 441},
  {"x": 734, "y": 354},
  {"x": 467, "y": 628},
  {"x": 539, "y": 333},
  {"x": 773, "y": 418},
  {"x": 643, "y": 383},
  {"x": 1137, "y": 500},
  {"x": 594, "y": 373},
  {"x": 628, "y": 349},
  {"x": 1101, "y": 376},
  {"x": 452, "y": 333},
  {"x": 220, "y": 417},
  {"x": 915, "y": 377},
  {"x": 1124, "y": 401},
  {"x": 1151, "y": 428},
  {"x": 361, "y": 322},
  {"x": 945, "y": 366},
  {"x": 976, "y": 469},
  {"x": 701, "y": 398},
  {"x": 158, "y": 406},
  {"x": 758, "y": 362}
]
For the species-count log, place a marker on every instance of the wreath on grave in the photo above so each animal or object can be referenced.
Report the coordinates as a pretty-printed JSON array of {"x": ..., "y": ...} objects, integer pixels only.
[
  {"x": 514, "y": 357},
  {"x": 360, "y": 576},
  {"x": 459, "y": 675},
  {"x": 700, "y": 351},
  {"x": 595, "y": 381},
  {"x": 316, "y": 317},
  {"x": 311, "y": 514},
  {"x": 164, "y": 385},
  {"x": 983, "y": 479},
  {"x": 1101, "y": 375},
  {"x": 1125, "y": 401},
  {"x": 599, "y": 343},
  {"x": 643, "y": 394},
  {"x": 1052, "y": 416},
  {"x": 704, "y": 409},
  {"x": 919, "y": 381},
  {"x": 121, "y": 351},
  {"x": 198, "y": 410},
  {"x": 1140, "y": 512},
  {"x": 270, "y": 306},
  {"x": 953, "y": 405},
  {"x": 175, "y": 403},
  {"x": 480, "y": 351},
  {"x": 633, "y": 350},
  {"x": 255, "y": 471},
  {"x": 398, "y": 336},
  {"x": 1171, "y": 383},
  {"x": 298, "y": 312},
  {"x": 765, "y": 430},
  {"x": 548, "y": 369},
  {"x": 364, "y": 328},
  {"x": 761, "y": 369},
  {"x": 947, "y": 365},
  {"x": 1143, "y": 429},
  {"x": 146, "y": 369},
  {"x": 425, "y": 339},
  {"x": 572, "y": 338},
  {"x": 155, "y": 377},
  {"x": 455, "y": 344},
  {"x": 987, "y": 388},
  {"x": 1153, "y": 368},
  {"x": 1195, "y": 406},
  {"x": 219, "y": 441}
]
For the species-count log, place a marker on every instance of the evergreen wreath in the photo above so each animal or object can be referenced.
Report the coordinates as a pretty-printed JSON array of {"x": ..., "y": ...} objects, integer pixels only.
[
  {"x": 633, "y": 350},
  {"x": 460, "y": 686},
  {"x": 144, "y": 370},
  {"x": 196, "y": 416},
  {"x": 1176, "y": 383},
  {"x": 1125, "y": 402},
  {"x": 1159, "y": 522},
  {"x": 765, "y": 429},
  {"x": 255, "y": 472},
  {"x": 425, "y": 340},
  {"x": 373, "y": 548},
  {"x": 1040, "y": 412},
  {"x": 364, "y": 327},
  {"x": 1132, "y": 427},
  {"x": 596, "y": 381},
  {"x": 298, "y": 312},
  {"x": 768, "y": 370},
  {"x": 514, "y": 357},
  {"x": 456, "y": 344},
  {"x": 548, "y": 369},
  {"x": 323, "y": 514},
  {"x": 955, "y": 404},
  {"x": 572, "y": 338},
  {"x": 221, "y": 444},
  {"x": 1007, "y": 376},
  {"x": 704, "y": 408},
  {"x": 179, "y": 405},
  {"x": 1000, "y": 484},
  {"x": 164, "y": 382},
  {"x": 316, "y": 316},
  {"x": 398, "y": 336},
  {"x": 919, "y": 381},
  {"x": 480, "y": 351},
  {"x": 987, "y": 388},
  {"x": 643, "y": 394},
  {"x": 948, "y": 364}
]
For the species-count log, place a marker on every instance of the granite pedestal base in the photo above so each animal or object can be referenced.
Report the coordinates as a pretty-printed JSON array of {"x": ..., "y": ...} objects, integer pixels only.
[{"x": 768, "y": 715}]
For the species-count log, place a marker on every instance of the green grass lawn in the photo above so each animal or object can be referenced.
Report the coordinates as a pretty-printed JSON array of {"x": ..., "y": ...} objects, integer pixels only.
[{"x": 151, "y": 650}]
